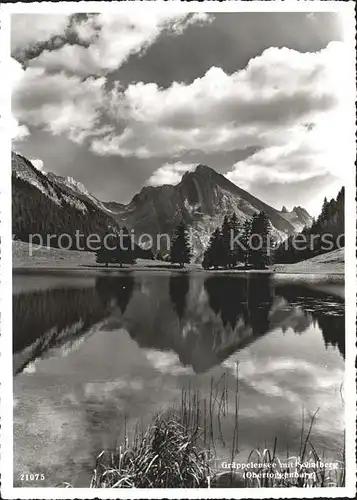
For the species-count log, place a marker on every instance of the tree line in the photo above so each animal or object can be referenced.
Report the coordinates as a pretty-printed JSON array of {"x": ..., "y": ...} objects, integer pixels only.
[
  {"x": 326, "y": 233},
  {"x": 231, "y": 245},
  {"x": 34, "y": 213},
  {"x": 235, "y": 244},
  {"x": 121, "y": 249},
  {"x": 116, "y": 249},
  {"x": 250, "y": 244}
]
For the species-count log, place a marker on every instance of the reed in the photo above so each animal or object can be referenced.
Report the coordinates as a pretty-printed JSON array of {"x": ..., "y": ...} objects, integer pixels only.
[
  {"x": 179, "y": 447},
  {"x": 164, "y": 456}
]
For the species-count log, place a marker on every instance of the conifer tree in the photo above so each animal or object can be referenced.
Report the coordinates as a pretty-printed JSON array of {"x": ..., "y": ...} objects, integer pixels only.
[
  {"x": 324, "y": 215},
  {"x": 259, "y": 248},
  {"x": 244, "y": 255},
  {"x": 226, "y": 242},
  {"x": 125, "y": 250},
  {"x": 214, "y": 254},
  {"x": 180, "y": 252},
  {"x": 106, "y": 254},
  {"x": 236, "y": 253}
]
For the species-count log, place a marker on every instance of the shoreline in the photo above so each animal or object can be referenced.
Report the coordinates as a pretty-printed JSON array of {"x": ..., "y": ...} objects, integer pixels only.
[
  {"x": 28, "y": 269},
  {"x": 95, "y": 271},
  {"x": 56, "y": 260}
]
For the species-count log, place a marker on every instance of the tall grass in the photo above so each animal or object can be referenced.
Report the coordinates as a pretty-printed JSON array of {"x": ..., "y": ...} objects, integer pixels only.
[
  {"x": 180, "y": 447},
  {"x": 163, "y": 456},
  {"x": 273, "y": 471}
]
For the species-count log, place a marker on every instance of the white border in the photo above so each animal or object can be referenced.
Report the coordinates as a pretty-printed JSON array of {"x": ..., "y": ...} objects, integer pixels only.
[
  {"x": 6, "y": 450},
  {"x": 7, "y": 489},
  {"x": 177, "y": 5}
]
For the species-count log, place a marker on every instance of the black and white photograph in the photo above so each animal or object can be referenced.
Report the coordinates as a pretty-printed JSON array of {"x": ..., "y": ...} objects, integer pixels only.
[{"x": 178, "y": 250}]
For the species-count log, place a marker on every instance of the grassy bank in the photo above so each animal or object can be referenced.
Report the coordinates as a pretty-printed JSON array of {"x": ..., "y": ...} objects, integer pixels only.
[
  {"x": 57, "y": 259},
  {"x": 182, "y": 448},
  {"x": 331, "y": 262}
]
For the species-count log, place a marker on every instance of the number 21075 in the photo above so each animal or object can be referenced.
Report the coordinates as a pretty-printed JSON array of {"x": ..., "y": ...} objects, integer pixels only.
[{"x": 32, "y": 477}]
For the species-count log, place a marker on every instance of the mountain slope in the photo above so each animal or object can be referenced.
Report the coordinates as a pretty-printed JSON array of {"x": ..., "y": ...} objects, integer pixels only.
[
  {"x": 298, "y": 217},
  {"x": 46, "y": 203},
  {"x": 77, "y": 189},
  {"x": 113, "y": 206},
  {"x": 201, "y": 200},
  {"x": 40, "y": 206},
  {"x": 326, "y": 233},
  {"x": 202, "y": 192}
]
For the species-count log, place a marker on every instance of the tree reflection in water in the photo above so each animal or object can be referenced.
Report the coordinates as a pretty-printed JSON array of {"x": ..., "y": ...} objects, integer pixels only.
[{"x": 217, "y": 315}]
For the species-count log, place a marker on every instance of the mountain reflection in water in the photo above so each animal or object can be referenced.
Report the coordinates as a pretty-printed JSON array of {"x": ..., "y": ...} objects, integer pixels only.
[{"x": 201, "y": 319}]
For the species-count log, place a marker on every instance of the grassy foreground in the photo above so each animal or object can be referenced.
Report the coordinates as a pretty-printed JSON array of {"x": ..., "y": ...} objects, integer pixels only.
[
  {"x": 179, "y": 450},
  {"x": 164, "y": 456},
  {"x": 54, "y": 258},
  {"x": 331, "y": 262}
]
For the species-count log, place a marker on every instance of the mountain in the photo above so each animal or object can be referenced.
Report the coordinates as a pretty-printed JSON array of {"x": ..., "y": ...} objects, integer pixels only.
[
  {"x": 298, "y": 217},
  {"x": 77, "y": 189},
  {"x": 113, "y": 206},
  {"x": 324, "y": 234},
  {"x": 201, "y": 200},
  {"x": 40, "y": 205},
  {"x": 23, "y": 169}
]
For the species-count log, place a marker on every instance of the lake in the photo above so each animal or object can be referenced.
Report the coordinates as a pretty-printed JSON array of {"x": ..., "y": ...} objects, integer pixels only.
[{"x": 94, "y": 353}]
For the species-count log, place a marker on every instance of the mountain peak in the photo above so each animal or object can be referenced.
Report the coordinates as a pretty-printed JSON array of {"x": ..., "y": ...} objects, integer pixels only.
[
  {"x": 206, "y": 171},
  {"x": 76, "y": 185},
  {"x": 300, "y": 209},
  {"x": 203, "y": 169},
  {"x": 202, "y": 173},
  {"x": 201, "y": 199},
  {"x": 298, "y": 216},
  {"x": 200, "y": 170}
]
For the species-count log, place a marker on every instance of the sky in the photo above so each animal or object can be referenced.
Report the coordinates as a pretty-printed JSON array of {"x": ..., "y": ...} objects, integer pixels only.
[{"x": 123, "y": 101}]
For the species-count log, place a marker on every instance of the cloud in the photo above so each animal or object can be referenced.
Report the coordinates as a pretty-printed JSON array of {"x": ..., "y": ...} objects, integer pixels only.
[
  {"x": 16, "y": 73},
  {"x": 37, "y": 163},
  {"x": 317, "y": 151},
  {"x": 291, "y": 107},
  {"x": 18, "y": 132},
  {"x": 30, "y": 29},
  {"x": 170, "y": 173},
  {"x": 293, "y": 160},
  {"x": 198, "y": 18},
  {"x": 45, "y": 96},
  {"x": 60, "y": 103},
  {"x": 112, "y": 39},
  {"x": 265, "y": 105}
]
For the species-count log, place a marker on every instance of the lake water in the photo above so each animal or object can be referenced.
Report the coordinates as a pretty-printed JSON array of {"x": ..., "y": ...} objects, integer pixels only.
[{"x": 93, "y": 352}]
